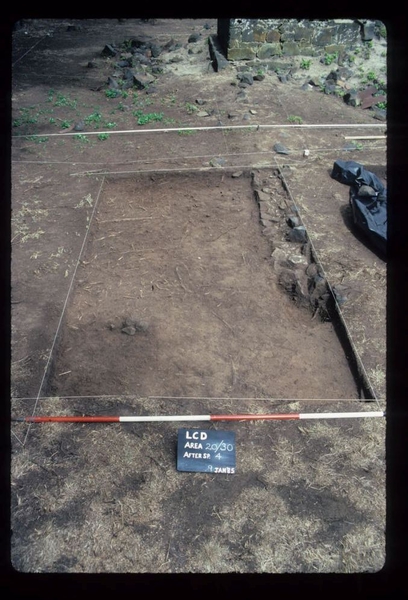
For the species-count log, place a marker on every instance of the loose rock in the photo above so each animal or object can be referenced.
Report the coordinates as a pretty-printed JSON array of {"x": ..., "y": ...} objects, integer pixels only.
[
  {"x": 109, "y": 51},
  {"x": 142, "y": 81},
  {"x": 156, "y": 50},
  {"x": 194, "y": 37},
  {"x": 280, "y": 148},
  {"x": 312, "y": 270},
  {"x": 287, "y": 279},
  {"x": 261, "y": 196},
  {"x": 236, "y": 174},
  {"x": 297, "y": 234},
  {"x": 352, "y": 98},
  {"x": 293, "y": 221},
  {"x": 80, "y": 126},
  {"x": 113, "y": 84},
  {"x": 129, "y": 330},
  {"x": 124, "y": 63},
  {"x": 301, "y": 291},
  {"x": 340, "y": 297},
  {"x": 380, "y": 114},
  {"x": 329, "y": 88},
  {"x": 246, "y": 78}
]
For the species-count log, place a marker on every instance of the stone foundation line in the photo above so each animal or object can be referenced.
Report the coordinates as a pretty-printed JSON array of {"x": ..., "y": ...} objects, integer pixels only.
[{"x": 219, "y": 127}]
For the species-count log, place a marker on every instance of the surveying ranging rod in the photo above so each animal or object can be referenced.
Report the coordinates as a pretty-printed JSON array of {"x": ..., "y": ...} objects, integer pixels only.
[{"x": 171, "y": 418}]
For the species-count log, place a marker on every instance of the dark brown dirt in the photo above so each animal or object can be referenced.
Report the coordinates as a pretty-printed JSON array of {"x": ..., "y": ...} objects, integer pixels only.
[
  {"x": 196, "y": 280},
  {"x": 184, "y": 255}
]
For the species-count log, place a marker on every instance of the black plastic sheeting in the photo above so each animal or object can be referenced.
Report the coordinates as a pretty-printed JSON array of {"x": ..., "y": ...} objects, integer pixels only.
[{"x": 369, "y": 204}]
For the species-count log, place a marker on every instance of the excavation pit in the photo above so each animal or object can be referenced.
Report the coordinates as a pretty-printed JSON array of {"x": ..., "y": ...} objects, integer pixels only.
[{"x": 176, "y": 295}]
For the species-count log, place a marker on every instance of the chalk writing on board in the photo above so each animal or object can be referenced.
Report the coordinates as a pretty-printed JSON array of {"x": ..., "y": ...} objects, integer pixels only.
[{"x": 207, "y": 451}]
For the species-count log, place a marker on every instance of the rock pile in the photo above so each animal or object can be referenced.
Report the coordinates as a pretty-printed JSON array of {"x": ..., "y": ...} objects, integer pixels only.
[{"x": 291, "y": 256}]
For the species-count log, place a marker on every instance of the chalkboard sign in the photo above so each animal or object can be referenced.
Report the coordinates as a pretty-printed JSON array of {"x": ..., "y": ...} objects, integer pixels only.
[{"x": 206, "y": 451}]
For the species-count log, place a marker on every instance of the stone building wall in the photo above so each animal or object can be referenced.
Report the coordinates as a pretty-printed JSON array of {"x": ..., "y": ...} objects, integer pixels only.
[{"x": 245, "y": 39}]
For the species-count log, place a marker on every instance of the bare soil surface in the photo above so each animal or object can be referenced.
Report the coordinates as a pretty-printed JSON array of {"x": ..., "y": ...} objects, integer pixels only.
[{"x": 143, "y": 282}]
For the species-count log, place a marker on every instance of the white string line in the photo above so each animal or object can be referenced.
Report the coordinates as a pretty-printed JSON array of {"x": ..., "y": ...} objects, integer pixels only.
[
  {"x": 223, "y": 132},
  {"x": 213, "y": 127},
  {"x": 176, "y": 170},
  {"x": 181, "y": 169},
  {"x": 135, "y": 397},
  {"x": 88, "y": 227},
  {"x": 29, "y": 50},
  {"x": 17, "y": 438},
  {"x": 181, "y": 158},
  {"x": 357, "y": 355}
]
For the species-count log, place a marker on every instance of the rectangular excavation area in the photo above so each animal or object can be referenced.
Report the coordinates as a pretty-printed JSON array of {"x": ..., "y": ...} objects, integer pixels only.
[{"x": 176, "y": 295}]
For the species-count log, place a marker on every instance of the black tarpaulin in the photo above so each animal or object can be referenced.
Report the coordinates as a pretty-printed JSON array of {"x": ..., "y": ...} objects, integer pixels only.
[{"x": 368, "y": 200}]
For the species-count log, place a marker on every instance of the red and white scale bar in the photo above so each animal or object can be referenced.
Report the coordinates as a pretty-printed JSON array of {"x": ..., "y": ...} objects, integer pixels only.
[{"x": 173, "y": 418}]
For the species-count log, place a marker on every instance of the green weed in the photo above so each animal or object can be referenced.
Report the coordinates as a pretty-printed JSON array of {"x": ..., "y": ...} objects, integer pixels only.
[
  {"x": 66, "y": 124},
  {"x": 329, "y": 58},
  {"x": 25, "y": 118},
  {"x": 191, "y": 108},
  {"x": 36, "y": 139},
  {"x": 295, "y": 119},
  {"x": 305, "y": 64},
  {"x": 81, "y": 138},
  {"x": 186, "y": 132},
  {"x": 61, "y": 100},
  {"x": 143, "y": 119},
  {"x": 110, "y": 125},
  {"x": 94, "y": 119},
  {"x": 103, "y": 136},
  {"x": 112, "y": 93}
]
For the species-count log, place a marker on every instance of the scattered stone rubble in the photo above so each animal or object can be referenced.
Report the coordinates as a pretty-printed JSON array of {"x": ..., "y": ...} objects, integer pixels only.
[{"x": 291, "y": 255}]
